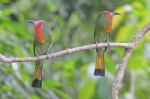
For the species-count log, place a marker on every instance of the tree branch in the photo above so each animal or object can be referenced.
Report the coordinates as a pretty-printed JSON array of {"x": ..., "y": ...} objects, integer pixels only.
[
  {"x": 63, "y": 52},
  {"x": 119, "y": 76}
]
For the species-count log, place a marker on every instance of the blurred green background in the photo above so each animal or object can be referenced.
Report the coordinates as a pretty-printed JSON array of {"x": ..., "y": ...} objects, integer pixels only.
[{"x": 72, "y": 24}]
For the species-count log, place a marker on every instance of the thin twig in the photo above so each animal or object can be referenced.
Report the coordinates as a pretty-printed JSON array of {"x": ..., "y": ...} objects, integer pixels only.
[
  {"x": 119, "y": 76},
  {"x": 63, "y": 52}
]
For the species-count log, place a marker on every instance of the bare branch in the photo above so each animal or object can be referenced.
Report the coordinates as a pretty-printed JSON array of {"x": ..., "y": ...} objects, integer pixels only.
[
  {"x": 64, "y": 52},
  {"x": 119, "y": 76}
]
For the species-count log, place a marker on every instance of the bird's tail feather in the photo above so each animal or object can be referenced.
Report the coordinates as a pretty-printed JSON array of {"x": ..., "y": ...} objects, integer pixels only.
[
  {"x": 99, "y": 69},
  {"x": 37, "y": 82}
]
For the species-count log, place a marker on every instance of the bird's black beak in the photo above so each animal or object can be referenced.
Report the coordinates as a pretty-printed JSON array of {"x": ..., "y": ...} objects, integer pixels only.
[
  {"x": 116, "y": 13},
  {"x": 31, "y": 21}
]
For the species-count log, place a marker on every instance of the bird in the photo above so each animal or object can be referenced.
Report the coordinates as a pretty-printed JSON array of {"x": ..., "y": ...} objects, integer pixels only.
[
  {"x": 102, "y": 30},
  {"x": 41, "y": 46}
]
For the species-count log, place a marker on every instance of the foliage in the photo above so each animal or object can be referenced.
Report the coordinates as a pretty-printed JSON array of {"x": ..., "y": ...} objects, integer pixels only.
[{"x": 72, "y": 23}]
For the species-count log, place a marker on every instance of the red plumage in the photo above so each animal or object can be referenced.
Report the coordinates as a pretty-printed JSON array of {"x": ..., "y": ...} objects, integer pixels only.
[
  {"x": 110, "y": 18},
  {"x": 38, "y": 31}
]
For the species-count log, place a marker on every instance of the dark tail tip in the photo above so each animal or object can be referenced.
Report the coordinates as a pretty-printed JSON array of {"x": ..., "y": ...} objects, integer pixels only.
[
  {"x": 99, "y": 72},
  {"x": 37, "y": 83}
]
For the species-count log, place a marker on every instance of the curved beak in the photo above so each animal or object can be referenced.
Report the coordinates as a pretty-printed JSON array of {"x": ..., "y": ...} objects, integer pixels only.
[
  {"x": 116, "y": 13},
  {"x": 31, "y": 21}
]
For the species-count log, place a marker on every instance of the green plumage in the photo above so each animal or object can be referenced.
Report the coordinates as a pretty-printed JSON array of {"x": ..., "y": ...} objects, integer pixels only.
[
  {"x": 41, "y": 48},
  {"x": 101, "y": 23},
  {"x": 100, "y": 36}
]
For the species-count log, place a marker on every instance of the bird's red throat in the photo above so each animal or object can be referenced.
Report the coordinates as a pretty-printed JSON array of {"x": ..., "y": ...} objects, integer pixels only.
[
  {"x": 110, "y": 18},
  {"x": 39, "y": 34}
]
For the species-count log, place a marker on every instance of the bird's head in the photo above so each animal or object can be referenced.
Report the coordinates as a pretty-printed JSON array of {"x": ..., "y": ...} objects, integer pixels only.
[
  {"x": 38, "y": 22},
  {"x": 111, "y": 14}
]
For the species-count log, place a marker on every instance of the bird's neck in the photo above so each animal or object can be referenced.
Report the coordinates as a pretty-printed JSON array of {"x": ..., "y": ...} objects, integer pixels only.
[
  {"x": 110, "y": 20},
  {"x": 39, "y": 34}
]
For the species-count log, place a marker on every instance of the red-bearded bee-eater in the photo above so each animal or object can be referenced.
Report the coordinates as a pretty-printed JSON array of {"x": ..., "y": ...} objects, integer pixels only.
[
  {"x": 101, "y": 34},
  {"x": 42, "y": 42}
]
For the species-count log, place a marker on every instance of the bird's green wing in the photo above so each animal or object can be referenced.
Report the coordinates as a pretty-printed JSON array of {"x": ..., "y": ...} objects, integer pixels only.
[{"x": 101, "y": 23}]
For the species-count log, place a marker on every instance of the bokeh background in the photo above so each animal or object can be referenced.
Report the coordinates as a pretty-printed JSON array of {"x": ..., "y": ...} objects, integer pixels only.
[{"x": 72, "y": 24}]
